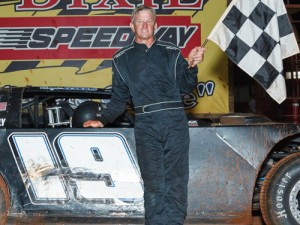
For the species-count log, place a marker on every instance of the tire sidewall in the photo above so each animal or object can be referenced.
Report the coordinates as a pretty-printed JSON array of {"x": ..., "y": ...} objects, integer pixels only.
[{"x": 279, "y": 190}]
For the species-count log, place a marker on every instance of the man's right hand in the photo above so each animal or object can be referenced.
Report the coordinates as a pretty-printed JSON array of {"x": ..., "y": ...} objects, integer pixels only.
[{"x": 93, "y": 123}]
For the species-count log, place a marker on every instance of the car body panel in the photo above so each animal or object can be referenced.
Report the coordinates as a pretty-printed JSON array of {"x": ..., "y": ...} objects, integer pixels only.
[{"x": 93, "y": 173}]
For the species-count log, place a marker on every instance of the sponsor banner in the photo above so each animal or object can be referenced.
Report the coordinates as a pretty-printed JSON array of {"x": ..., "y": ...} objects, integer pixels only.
[
  {"x": 87, "y": 37},
  {"x": 70, "y": 43}
]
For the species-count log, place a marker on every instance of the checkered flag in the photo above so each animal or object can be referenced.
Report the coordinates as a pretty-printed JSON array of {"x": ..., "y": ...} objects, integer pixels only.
[{"x": 257, "y": 35}]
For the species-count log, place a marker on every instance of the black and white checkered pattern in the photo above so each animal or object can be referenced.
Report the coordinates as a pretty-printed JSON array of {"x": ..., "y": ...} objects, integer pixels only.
[{"x": 257, "y": 35}]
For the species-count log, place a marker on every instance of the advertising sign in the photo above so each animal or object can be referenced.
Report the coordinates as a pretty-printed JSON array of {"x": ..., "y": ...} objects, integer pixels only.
[{"x": 71, "y": 42}]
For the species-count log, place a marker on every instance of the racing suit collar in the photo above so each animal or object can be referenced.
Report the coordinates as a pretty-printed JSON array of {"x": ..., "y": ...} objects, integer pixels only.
[{"x": 144, "y": 46}]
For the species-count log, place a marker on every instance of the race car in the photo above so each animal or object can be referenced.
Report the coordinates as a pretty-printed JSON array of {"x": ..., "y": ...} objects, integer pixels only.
[{"x": 53, "y": 169}]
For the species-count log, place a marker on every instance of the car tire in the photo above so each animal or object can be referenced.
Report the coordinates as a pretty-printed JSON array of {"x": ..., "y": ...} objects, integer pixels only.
[
  {"x": 4, "y": 201},
  {"x": 280, "y": 193}
]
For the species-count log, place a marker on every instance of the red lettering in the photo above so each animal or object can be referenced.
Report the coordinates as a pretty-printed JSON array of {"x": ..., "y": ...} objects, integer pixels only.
[
  {"x": 78, "y": 4},
  {"x": 151, "y": 4},
  {"x": 103, "y": 4},
  {"x": 120, "y": 4},
  {"x": 32, "y": 5},
  {"x": 107, "y": 5},
  {"x": 177, "y": 4}
]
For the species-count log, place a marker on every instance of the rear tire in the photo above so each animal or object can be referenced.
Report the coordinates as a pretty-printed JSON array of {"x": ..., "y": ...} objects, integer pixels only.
[
  {"x": 4, "y": 201},
  {"x": 280, "y": 193}
]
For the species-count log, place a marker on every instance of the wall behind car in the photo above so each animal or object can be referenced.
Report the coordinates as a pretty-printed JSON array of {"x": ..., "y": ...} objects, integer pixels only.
[{"x": 71, "y": 42}]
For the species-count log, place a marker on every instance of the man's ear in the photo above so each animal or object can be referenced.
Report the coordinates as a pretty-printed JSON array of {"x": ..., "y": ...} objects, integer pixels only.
[
  {"x": 132, "y": 27},
  {"x": 155, "y": 26}
]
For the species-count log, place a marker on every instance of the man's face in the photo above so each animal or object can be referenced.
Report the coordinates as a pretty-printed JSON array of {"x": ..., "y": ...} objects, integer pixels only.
[{"x": 143, "y": 26}]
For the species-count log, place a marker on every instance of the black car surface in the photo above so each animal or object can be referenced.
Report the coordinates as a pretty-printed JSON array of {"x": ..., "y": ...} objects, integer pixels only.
[{"x": 52, "y": 169}]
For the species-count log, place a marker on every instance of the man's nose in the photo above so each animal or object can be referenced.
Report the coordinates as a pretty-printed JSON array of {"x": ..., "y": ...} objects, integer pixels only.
[{"x": 144, "y": 24}]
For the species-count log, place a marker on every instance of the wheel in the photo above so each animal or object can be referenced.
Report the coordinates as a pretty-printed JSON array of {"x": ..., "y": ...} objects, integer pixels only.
[
  {"x": 4, "y": 201},
  {"x": 280, "y": 193}
]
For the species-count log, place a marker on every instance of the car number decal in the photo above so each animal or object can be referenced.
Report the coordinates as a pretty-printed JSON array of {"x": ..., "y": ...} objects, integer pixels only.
[
  {"x": 34, "y": 158},
  {"x": 97, "y": 167}
]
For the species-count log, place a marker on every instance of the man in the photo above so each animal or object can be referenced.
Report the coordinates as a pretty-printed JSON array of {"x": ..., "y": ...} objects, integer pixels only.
[{"x": 154, "y": 74}]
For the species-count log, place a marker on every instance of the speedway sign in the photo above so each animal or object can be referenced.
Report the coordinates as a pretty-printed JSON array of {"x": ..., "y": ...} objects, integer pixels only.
[
  {"x": 71, "y": 43},
  {"x": 89, "y": 36},
  {"x": 84, "y": 37}
]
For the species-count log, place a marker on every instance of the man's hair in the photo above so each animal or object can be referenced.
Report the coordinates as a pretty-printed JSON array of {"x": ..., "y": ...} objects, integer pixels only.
[{"x": 142, "y": 8}]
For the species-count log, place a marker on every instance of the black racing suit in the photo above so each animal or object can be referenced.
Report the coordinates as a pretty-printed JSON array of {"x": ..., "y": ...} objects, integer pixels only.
[{"x": 156, "y": 78}]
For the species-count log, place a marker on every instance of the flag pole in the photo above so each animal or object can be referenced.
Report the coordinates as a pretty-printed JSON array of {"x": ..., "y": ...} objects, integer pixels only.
[
  {"x": 204, "y": 43},
  {"x": 215, "y": 27}
]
